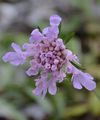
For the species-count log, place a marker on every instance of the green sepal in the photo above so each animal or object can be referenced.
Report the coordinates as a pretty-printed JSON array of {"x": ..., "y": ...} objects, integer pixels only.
[
  {"x": 49, "y": 76},
  {"x": 77, "y": 65},
  {"x": 39, "y": 29},
  {"x": 69, "y": 36},
  {"x": 69, "y": 76},
  {"x": 59, "y": 29}
]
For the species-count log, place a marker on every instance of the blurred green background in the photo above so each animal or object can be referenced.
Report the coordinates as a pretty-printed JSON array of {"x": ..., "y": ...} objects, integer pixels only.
[{"x": 17, "y": 19}]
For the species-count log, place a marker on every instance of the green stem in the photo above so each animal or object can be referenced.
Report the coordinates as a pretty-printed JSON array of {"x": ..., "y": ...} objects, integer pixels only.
[{"x": 97, "y": 95}]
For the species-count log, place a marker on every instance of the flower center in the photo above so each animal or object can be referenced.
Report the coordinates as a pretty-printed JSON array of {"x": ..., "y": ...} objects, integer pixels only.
[{"x": 52, "y": 56}]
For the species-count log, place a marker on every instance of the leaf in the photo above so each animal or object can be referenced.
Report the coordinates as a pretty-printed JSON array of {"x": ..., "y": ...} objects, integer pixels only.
[
  {"x": 77, "y": 65},
  {"x": 6, "y": 40},
  {"x": 97, "y": 94},
  {"x": 75, "y": 111},
  {"x": 69, "y": 37},
  {"x": 94, "y": 70},
  {"x": 75, "y": 47},
  {"x": 9, "y": 111},
  {"x": 94, "y": 104},
  {"x": 60, "y": 104}
]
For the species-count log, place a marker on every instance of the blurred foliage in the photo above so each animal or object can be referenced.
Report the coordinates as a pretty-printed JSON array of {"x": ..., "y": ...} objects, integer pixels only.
[{"x": 16, "y": 99}]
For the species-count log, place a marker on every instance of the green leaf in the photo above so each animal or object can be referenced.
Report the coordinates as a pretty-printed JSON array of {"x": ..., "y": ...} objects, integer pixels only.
[
  {"x": 94, "y": 104},
  {"x": 60, "y": 104},
  {"x": 74, "y": 111},
  {"x": 77, "y": 65},
  {"x": 9, "y": 110},
  {"x": 6, "y": 40},
  {"x": 97, "y": 94},
  {"x": 69, "y": 37}
]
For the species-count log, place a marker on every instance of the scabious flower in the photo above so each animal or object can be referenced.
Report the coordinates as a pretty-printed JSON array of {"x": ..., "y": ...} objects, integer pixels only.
[{"x": 50, "y": 60}]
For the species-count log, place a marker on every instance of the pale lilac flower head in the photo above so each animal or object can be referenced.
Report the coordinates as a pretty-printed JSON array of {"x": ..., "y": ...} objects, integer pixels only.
[{"x": 50, "y": 60}]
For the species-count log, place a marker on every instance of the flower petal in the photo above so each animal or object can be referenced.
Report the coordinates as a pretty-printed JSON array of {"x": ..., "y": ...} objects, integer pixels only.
[
  {"x": 32, "y": 71},
  {"x": 38, "y": 90},
  {"x": 45, "y": 30},
  {"x": 76, "y": 82},
  {"x": 13, "y": 58},
  {"x": 16, "y": 47},
  {"x": 52, "y": 88},
  {"x": 51, "y": 32},
  {"x": 55, "y": 20},
  {"x": 87, "y": 81},
  {"x": 62, "y": 75},
  {"x": 36, "y": 36}
]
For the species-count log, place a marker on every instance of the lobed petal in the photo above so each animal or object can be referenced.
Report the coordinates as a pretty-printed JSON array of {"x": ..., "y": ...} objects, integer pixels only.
[
  {"x": 55, "y": 20},
  {"x": 41, "y": 86},
  {"x": 83, "y": 79},
  {"x": 76, "y": 82},
  {"x": 52, "y": 89},
  {"x": 16, "y": 47},
  {"x": 51, "y": 32},
  {"x": 87, "y": 81},
  {"x": 13, "y": 58},
  {"x": 38, "y": 90},
  {"x": 32, "y": 71},
  {"x": 36, "y": 36}
]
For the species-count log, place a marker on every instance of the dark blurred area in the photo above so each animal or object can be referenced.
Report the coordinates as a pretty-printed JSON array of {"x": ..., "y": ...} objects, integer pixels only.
[{"x": 17, "y": 19}]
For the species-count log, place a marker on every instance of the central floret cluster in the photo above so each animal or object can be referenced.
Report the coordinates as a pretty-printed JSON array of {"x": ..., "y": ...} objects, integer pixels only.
[
  {"x": 52, "y": 55},
  {"x": 49, "y": 59}
]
